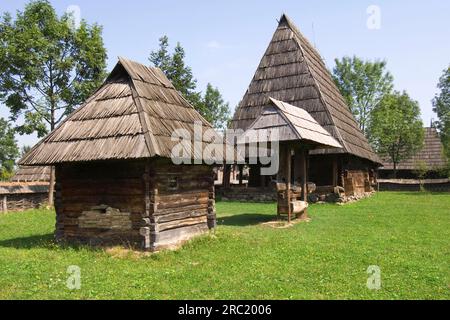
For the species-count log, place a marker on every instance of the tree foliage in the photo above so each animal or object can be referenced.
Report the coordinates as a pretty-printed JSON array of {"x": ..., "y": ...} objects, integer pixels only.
[
  {"x": 441, "y": 105},
  {"x": 211, "y": 106},
  {"x": 214, "y": 108},
  {"x": 176, "y": 70},
  {"x": 363, "y": 84},
  {"x": 9, "y": 150},
  {"x": 47, "y": 66},
  {"x": 396, "y": 128}
]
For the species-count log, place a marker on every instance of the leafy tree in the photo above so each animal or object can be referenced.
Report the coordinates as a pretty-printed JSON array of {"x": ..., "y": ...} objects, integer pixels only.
[
  {"x": 211, "y": 105},
  {"x": 441, "y": 105},
  {"x": 420, "y": 170},
  {"x": 176, "y": 70},
  {"x": 47, "y": 67},
  {"x": 8, "y": 150},
  {"x": 214, "y": 109},
  {"x": 363, "y": 84},
  {"x": 396, "y": 128}
]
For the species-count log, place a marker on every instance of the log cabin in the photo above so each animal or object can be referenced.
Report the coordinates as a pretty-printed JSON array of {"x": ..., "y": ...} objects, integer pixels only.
[
  {"x": 293, "y": 71},
  {"x": 118, "y": 178}
]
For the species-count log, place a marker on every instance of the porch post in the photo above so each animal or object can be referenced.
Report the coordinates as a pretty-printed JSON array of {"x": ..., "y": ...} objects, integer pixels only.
[
  {"x": 226, "y": 176},
  {"x": 288, "y": 180}
]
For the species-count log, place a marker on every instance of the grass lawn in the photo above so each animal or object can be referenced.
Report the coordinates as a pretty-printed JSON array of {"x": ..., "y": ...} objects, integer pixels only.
[{"x": 406, "y": 234}]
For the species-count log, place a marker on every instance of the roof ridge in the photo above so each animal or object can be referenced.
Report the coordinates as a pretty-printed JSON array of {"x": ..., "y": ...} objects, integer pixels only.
[
  {"x": 295, "y": 30},
  {"x": 150, "y": 140}
]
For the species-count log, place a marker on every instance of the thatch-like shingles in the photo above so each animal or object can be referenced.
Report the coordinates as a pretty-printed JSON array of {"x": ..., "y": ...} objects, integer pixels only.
[
  {"x": 292, "y": 123},
  {"x": 292, "y": 71},
  {"x": 32, "y": 174},
  {"x": 133, "y": 115},
  {"x": 431, "y": 154}
]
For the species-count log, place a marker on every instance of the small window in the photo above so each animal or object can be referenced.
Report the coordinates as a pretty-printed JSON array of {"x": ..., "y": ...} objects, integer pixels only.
[{"x": 173, "y": 183}]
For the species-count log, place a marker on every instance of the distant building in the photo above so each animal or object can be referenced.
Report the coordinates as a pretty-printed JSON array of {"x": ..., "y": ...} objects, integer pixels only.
[{"x": 430, "y": 157}]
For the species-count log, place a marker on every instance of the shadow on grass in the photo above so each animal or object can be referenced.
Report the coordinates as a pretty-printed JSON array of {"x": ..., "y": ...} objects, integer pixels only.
[
  {"x": 43, "y": 241},
  {"x": 246, "y": 219},
  {"x": 37, "y": 241}
]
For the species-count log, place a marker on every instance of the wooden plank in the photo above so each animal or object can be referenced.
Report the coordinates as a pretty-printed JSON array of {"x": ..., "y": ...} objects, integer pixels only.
[
  {"x": 171, "y": 210},
  {"x": 175, "y": 236},
  {"x": 176, "y": 224},
  {"x": 186, "y": 214}
]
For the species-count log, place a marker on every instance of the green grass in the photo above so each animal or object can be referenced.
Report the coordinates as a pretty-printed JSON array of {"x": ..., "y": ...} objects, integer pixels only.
[{"x": 406, "y": 234}]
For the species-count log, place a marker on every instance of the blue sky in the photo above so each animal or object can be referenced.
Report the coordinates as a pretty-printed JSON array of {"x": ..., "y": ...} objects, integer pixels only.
[{"x": 225, "y": 40}]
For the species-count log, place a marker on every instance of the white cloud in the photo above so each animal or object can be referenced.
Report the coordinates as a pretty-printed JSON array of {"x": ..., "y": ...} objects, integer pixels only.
[{"x": 214, "y": 44}]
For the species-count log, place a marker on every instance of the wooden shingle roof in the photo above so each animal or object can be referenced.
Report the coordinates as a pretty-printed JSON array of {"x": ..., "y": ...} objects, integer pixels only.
[
  {"x": 32, "y": 174},
  {"x": 431, "y": 154},
  {"x": 292, "y": 123},
  {"x": 131, "y": 116},
  {"x": 292, "y": 71}
]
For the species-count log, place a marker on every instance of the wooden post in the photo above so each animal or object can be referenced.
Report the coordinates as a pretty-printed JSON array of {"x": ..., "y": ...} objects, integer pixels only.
[
  {"x": 5, "y": 204},
  {"x": 241, "y": 171},
  {"x": 148, "y": 209},
  {"x": 335, "y": 172},
  {"x": 288, "y": 181},
  {"x": 226, "y": 176},
  {"x": 305, "y": 178}
]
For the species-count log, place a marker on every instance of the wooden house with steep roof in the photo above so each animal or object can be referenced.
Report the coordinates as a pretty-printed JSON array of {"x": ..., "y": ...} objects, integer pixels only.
[
  {"x": 117, "y": 164},
  {"x": 292, "y": 71},
  {"x": 27, "y": 189},
  {"x": 431, "y": 156}
]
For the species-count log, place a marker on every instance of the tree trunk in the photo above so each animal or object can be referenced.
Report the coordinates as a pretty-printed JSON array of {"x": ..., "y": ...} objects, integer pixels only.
[{"x": 395, "y": 170}]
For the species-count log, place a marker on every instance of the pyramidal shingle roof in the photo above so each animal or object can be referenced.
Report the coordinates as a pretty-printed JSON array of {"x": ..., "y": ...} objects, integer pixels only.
[
  {"x": 292, "y": 71},
  {"x": 131, "y": 116}
]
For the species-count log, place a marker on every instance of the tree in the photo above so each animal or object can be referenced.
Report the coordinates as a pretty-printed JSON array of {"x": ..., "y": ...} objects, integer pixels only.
[
  {"x": 47, "y": 67},
  {"x": 420, "y": 170},
  {"x": 441, "y": 105},
  {"x": 211, "y": 106},
  {"x": 214, "y": 109},
  {"x": 176, "y": 70},
  {"x": 396, "y": 128},
  {"x": 8, "y": 150},
  {"x": 363, "y": 84}
]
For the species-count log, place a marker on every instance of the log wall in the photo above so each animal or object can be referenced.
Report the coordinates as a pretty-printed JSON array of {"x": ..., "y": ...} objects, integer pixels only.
[
  {"x": 182, "y": 203},
  {"x": 22, "y": 201},
  {"x": 80, "y": 188},
  {"x": 152, "y": 203}
]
